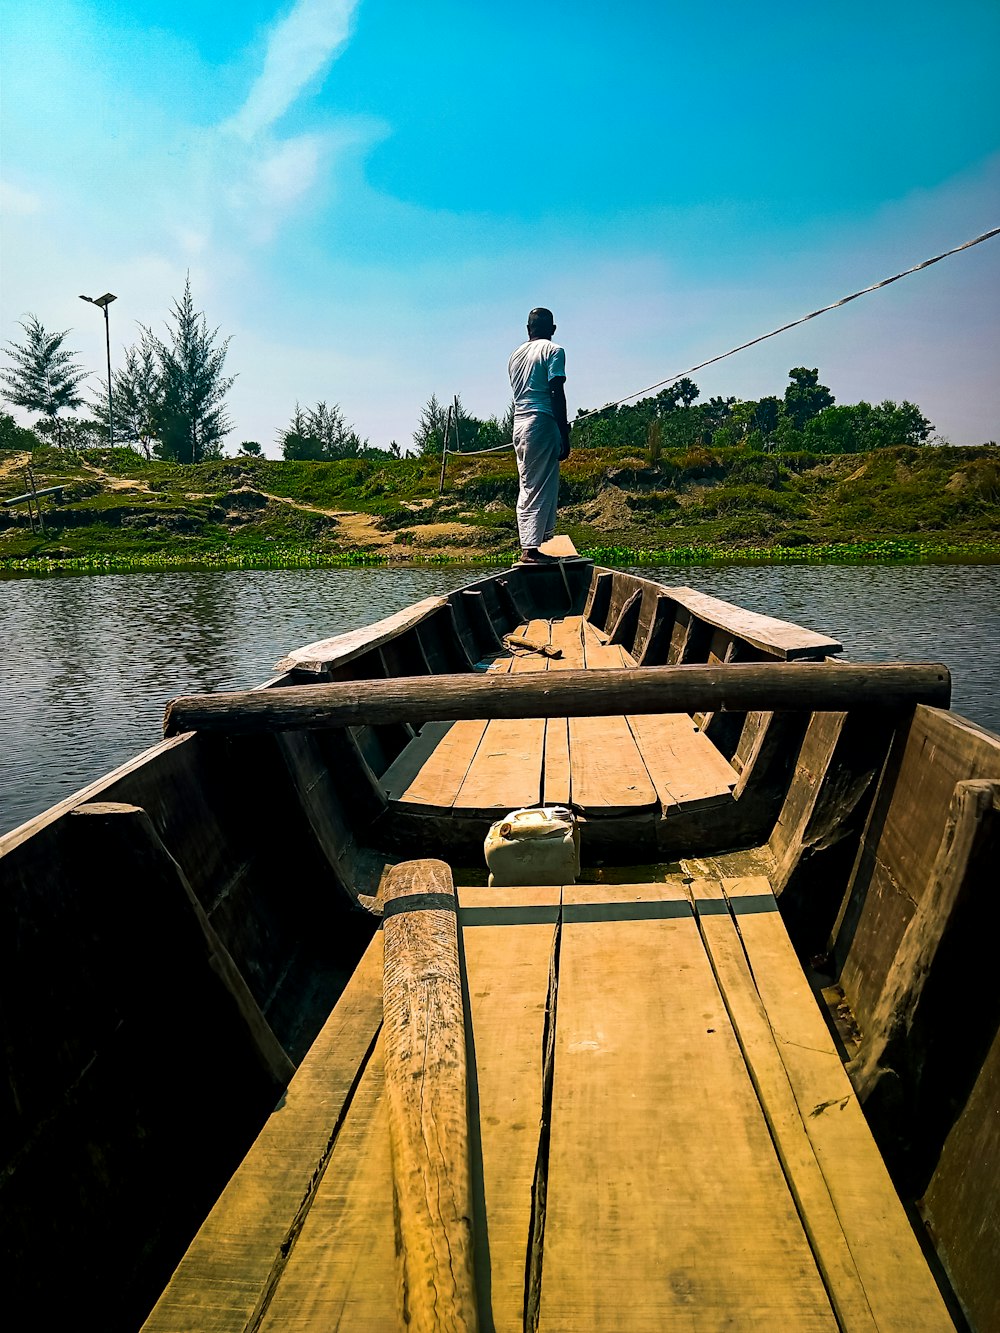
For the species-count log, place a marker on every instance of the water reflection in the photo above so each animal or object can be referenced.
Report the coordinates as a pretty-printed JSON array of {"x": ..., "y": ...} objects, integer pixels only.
[{"x": 88, "y": 663}]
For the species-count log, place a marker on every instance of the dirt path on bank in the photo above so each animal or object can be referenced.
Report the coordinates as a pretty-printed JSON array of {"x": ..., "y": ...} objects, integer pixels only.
[
  {"x": 361, "y": 530},
  {"x": 355, "y": 528},
  {"x": 16, "y": 463}
]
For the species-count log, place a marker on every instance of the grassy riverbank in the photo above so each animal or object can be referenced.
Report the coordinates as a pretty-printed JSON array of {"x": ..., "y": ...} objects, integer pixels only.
[{"x": 118, "y": 511}]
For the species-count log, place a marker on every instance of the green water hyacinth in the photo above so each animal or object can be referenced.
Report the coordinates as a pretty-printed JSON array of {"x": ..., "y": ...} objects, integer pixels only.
[{"x": 890, "y": 550}]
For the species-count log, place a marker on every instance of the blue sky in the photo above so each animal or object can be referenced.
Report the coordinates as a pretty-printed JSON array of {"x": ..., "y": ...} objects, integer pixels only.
[{"x": 370, "y": 195}]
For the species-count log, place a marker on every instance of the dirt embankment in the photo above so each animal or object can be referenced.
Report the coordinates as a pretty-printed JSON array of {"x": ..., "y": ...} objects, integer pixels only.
[{"x": 726, "y": 500}]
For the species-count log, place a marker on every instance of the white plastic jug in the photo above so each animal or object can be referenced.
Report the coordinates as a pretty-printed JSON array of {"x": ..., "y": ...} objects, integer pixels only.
[{"x": 538, "y": 845}]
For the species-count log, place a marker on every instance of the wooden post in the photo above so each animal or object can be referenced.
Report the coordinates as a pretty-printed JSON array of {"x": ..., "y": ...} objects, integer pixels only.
[
  {"x": 743, "y": 687},
  {"x": 425, "y": 1075},
  {"x": 444, "y": 450}
]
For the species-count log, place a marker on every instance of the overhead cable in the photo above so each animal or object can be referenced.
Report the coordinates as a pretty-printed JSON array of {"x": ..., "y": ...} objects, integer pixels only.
[
  {"x": 794, "y": 324},
  {"x": 844, "y": 300}
]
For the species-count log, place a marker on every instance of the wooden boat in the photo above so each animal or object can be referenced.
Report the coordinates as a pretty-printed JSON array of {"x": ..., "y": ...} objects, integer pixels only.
[{"x": 279, "y": 1058}]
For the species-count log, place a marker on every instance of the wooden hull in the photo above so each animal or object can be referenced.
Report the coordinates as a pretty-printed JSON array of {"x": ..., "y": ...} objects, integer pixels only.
[{"x": 181, "y": 934}]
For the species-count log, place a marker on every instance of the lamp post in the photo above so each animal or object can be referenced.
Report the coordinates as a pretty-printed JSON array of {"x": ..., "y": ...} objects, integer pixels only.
[{"x": 104, "y": 301}]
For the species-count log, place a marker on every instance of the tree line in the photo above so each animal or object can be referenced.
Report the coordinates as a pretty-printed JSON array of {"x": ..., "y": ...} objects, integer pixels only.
[
  {"x": 168, "y": 401},
  {"x": 807, "y": 417}
]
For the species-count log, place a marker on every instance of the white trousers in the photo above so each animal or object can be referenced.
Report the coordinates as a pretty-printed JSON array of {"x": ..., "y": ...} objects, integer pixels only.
[{"x": 536, "y": 445}]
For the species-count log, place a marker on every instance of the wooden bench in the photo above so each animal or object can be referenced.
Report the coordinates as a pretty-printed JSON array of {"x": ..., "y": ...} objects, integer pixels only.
[
  {"x": 600, "y": 765},
  {"x": 659, "y": 1129}
]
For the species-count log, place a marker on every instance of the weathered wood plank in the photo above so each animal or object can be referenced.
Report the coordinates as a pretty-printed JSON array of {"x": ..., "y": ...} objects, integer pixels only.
[
  {"x": 320, "y": 803},
  {"x": 684, "y": 631},
  {"x": 901, "y": 842},
  {"x": 757, "y": 1042},
  {"x": 599, "y": 597},
  {"x": 506, "y": 772},
  {"x": 325, "y": 654},
  {"x": 561, "y": 546},
  {"x": 890, "y": 1029},
  {"x": 811, "y": 687},
  {"x": 507, "y": 967},
  {"x": 238, "y": 1256},
  {"x": 406, "y": 767},
  {"x": 440, "y": 778},
  {"x": 686, "y": 769},
  {"x": 487, "y": 635},
  {"x": 339, "y": 1272},
  {"x": 623, "y": 588},
  {"x": 567, "y": 635},
  {"x": 666, "y": 1204},
  {"x": 962, "y": 1203},
  {"x": 816, "y": 835},
  {"x": 556, "y": 769},
  {"x": 596, "y": 649},
  {"x": 426, "y": 1098},
  {"x": 811, "y": 767},
  {"x": 607, "y": 775},
  {"x": 652, "y": 648},
  {"x": 778, "y": 638},
  {"x": 899, "y": 1287},
  {"x": 623, "y": 630}
]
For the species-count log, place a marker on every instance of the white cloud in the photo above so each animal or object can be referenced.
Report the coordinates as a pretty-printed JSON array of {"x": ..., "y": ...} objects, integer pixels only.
[
  {"x": 288, "y": 172},
  {"x": 251, "y": 177},
  {"x": 15, "y": 200},
  {"x": 299, "y": 47}
]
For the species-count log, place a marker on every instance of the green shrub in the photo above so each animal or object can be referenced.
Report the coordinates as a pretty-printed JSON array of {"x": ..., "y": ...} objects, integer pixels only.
[
  {"x": 757, "y": 470},
  {"x": 748, "y": 500}
]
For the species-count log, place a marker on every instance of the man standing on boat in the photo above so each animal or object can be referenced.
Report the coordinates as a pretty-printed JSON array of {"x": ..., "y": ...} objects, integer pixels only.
[{"x": 541, "y": 433}]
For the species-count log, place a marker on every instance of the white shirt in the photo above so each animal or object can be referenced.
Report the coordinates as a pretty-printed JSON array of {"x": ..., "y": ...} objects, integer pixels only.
[{"x": 531, "y": 367}]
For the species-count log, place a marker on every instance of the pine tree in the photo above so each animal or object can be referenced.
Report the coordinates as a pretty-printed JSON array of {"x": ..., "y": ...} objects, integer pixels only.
[
  {"x": 320, "y": 433},
  {"x": 135, "y": 397},
  {"x": 429, "y": 435},
  {"x": 44, "y": 375},
  {"x": 190, "y": 416}
]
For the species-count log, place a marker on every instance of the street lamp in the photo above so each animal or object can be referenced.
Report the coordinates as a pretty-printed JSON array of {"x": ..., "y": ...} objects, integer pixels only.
[{"x": 104, "y": 301}]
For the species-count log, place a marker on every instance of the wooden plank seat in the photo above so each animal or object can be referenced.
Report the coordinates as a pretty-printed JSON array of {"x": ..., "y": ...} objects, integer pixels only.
[
  {"x": 602, "y": 766},
  {"x": 659, "y": 1128}
]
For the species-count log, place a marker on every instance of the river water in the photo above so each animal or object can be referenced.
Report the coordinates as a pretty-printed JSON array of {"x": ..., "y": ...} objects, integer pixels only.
[{"x": 88, "y": 662}]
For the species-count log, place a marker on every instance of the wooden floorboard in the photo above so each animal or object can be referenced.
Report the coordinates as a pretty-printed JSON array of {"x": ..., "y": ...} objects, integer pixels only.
[
  {"x": 600, "y": 655},
  {"x": 607, "y": 774},
  {"x": 535, "y": 633},
  {"x": 567, "y": 635},
  {"x": 507, "y": 967},
  {"x": 757, "y": 1041},
  {"x": 602, "y": 766},
  {"x": 667, "y": 1207},
  {"x": 705, "y": 1162},
  {"x": 506, "y": 772},
  {"x": 341, "y": 1272},
  {"x": 439, "y": 781},
  {"x": 897, "y": 1282},
  {"x": 410, "y": 762},
  {"x": 556, "y": 771},
  {"x": 686, "y": 769}
]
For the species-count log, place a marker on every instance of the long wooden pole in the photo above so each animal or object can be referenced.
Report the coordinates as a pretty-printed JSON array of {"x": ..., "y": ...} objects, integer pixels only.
[
  {"x": 778, "y": 686},
  {"x": 427, "y": 1097},
  {"x": 444, "y": 450}
]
